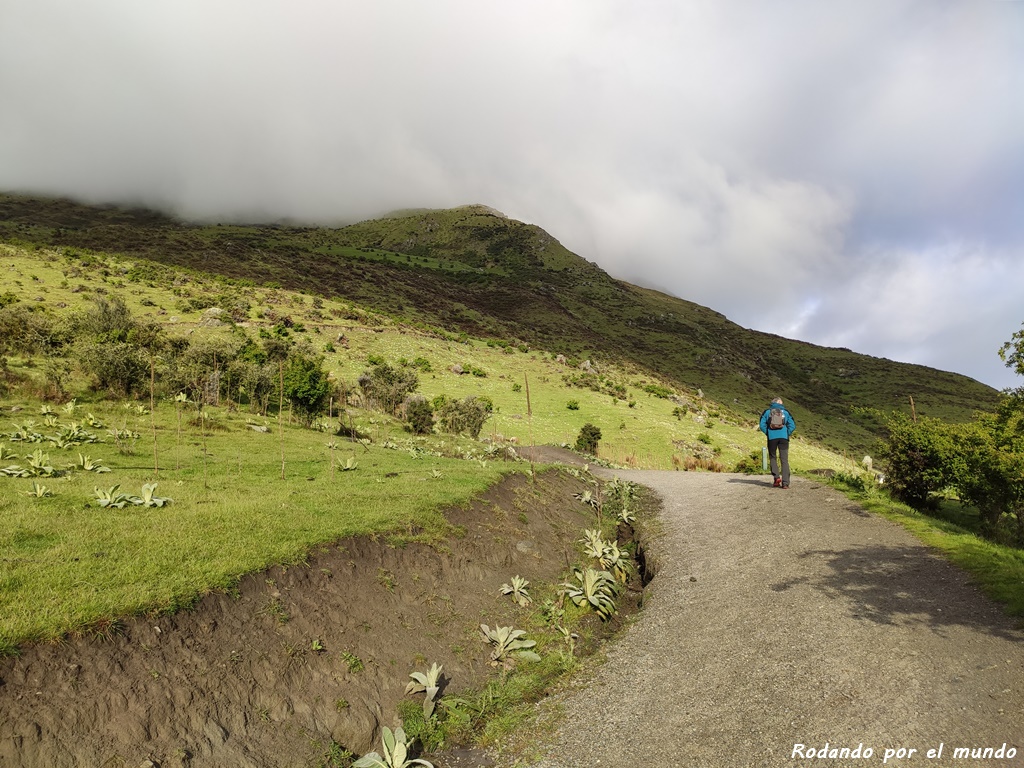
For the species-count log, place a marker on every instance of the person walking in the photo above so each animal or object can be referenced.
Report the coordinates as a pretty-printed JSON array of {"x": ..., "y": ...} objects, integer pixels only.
[{"x": 778, "y": 426}]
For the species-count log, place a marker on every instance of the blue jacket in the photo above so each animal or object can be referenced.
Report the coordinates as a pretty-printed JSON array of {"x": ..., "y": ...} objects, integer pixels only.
[{"x": 774, "y": 434}]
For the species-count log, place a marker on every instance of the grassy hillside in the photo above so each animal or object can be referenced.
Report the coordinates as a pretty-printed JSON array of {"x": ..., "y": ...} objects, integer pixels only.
[
  {"x": 645, "y": 420},
  {"x": 472, "y": 270}
]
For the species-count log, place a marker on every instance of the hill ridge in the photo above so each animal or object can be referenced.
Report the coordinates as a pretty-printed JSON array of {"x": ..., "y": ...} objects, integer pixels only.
[{"x": 467, "y": 269}]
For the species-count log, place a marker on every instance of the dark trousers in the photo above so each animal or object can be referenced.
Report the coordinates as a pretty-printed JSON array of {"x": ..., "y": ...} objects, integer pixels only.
[{"x": 780, "y": 446}]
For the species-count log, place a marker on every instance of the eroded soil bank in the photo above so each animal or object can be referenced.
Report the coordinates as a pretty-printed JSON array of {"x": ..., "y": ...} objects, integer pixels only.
[{"x": 297, "y": 658}]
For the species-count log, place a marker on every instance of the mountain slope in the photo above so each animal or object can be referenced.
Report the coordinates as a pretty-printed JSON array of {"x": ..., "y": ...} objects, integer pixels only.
[{"x": 474, "y": 270}]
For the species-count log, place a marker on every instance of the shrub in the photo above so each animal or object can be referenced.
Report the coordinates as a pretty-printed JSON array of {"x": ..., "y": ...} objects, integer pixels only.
[
  {"x": 256, "y": 381},
  {"x": 197, "y": 368},
  {"x": 306, "y": 386},
  {"x": 658, "y": 391},
  {"x": 919, "y": 455},
  {"x": 587, "y": 440},
  {"x": 419, "y": 414},
  {"x": 987, "y": 471},
  {"x": 751, "y": 464},
  {"x": 120, "y": 368},
  {"x": 463, "y": 416},
  {"x": 573, "y": 405},
  {"x": 29, "y": 331},
  {"x": 386, "y": 387}
]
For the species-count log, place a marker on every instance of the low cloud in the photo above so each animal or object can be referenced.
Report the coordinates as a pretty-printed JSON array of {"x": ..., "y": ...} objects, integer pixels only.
[{"x": 872, "y": 153}]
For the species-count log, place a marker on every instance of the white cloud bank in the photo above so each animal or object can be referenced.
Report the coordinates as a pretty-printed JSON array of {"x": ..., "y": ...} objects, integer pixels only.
[{"x": 871, "y": 152}]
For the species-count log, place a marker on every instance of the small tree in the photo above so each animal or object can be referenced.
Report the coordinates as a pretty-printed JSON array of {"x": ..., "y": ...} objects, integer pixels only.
[
  {"x": 120, "y": 368},
  {"x": 419, "y": 414},
  {"x": 114, "y": 347},
  {"x": 586, "y": 441},
  {"x": 306, "y": 386},
  {"x": 463, "y": 416},
  {"x": 919, "y": 456},
  {"x": 385, "y": 387},
  {"x": 987, "y": 471}
]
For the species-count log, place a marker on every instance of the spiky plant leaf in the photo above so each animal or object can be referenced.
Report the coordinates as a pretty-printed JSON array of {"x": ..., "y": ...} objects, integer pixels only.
[
  {"x": 39, "y": 491},
  {"x": 428, "y": 683},
  {"x": 593, "y": 544},
  {"x": 112, "y": 497},
  {"x": 507, "y": 646},
  {"x": 518, "y": 591},
  {"x": 148, "y": 497},
  {"x": 39, "y": 464},
  {"x": 594, "y": 588}
]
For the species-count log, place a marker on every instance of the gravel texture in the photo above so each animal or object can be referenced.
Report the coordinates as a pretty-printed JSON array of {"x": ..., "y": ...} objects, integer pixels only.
[{"x": 786, "y": 617}]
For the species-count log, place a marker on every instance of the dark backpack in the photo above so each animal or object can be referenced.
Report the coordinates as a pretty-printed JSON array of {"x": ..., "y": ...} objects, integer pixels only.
[{"x": 776, "y": 418}]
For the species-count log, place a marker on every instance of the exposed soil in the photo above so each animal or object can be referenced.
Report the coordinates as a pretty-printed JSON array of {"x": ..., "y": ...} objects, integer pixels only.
[{"x": 298, "y": 658}]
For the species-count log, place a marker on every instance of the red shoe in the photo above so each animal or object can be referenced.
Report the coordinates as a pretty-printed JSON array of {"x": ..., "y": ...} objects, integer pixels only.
[
  {"x": 784, "y": 485},
  {"x": 777, "y": 483}
]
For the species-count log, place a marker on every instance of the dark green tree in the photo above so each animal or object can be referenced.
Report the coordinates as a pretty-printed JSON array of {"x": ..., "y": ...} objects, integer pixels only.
[
  {"x": 588, "y": 438},
  {"x": 419, "y": 414},
  {"x": 306, "y": 386},
  {"x": 987, "y": 470}
]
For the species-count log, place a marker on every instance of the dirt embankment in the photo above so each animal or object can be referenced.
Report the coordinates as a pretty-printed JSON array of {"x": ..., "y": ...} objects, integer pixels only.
[{"x": 297, "y": 658}]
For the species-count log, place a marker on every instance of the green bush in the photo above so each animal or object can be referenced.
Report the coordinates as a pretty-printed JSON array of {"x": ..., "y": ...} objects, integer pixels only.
[
  {"x": 119, "y": 368},
  {"x": 751, "y": 464},
  {"x": 573, "y": 405},
  {"x": 588, "y": 438},
  {"x": 919, "y": 456},
  {"x": 386, "y": 387},
  {"x": 419, "y": 414},
  {"x": 987, "y": 471},
  {"x": 29, "y": 331},
  {"x": 466, "y": 416},
  {"x": 306, "y": 386},
  {"x": 658, "y": 391},
  {"x": 201, "y": 367}
]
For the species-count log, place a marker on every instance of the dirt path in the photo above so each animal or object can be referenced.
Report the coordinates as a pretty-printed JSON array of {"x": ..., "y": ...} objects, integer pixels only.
[{"x": 792, "y": 617}]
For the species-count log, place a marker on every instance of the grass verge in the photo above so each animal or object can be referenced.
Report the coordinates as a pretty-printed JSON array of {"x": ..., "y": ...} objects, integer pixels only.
[{"x": 997, "y": 569}]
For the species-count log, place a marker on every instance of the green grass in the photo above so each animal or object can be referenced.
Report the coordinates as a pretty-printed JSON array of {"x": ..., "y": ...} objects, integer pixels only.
[
  {"x": 68, "y": 564},
  {"x": 997, "y": 569}
]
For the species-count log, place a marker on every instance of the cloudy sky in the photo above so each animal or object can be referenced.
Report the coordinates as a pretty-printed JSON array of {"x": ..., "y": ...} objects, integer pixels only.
[{"x": 849, "y": 172}]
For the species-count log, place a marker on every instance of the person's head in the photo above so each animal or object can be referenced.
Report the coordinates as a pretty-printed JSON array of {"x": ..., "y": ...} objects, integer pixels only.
[{"x": 777, "y": 400}]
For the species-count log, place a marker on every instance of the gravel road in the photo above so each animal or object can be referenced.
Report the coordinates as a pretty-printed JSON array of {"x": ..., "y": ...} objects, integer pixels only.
[{"x": 792, "y": 617}]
